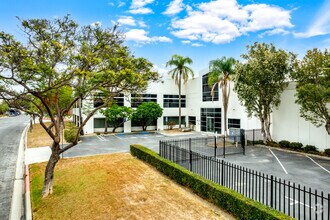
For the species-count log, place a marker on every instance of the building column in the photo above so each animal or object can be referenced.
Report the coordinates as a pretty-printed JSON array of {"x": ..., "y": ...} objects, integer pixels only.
[{"x": 127, "y": 124}]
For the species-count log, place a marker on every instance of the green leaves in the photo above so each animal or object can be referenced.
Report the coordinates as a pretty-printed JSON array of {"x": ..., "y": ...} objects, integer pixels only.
[
  {"x": 181, "y": 70},
  {"x": 146, "y": 113},
  {"x": 261, "y": 80},
  {"x": 313, "y": 87}
]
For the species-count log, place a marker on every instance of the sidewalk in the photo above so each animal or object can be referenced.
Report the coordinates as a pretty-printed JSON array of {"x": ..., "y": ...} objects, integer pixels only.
[{"x": 37, "y": 155}]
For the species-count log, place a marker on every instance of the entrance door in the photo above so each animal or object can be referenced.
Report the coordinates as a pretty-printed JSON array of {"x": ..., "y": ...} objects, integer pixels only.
[{"x": 210, "y": 124}]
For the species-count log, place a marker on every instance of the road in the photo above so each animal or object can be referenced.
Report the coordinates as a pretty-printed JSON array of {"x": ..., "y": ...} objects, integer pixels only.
[{"x": 11, "y": 129}]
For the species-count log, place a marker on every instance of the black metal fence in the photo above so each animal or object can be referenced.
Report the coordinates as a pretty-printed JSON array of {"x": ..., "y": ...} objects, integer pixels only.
[
  {"x": 288, "y": 197},
  {"x": 212, "y": 145}
]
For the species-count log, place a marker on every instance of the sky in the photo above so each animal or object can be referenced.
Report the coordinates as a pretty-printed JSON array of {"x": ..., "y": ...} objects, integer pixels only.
[{"x": 202, "y": 30}]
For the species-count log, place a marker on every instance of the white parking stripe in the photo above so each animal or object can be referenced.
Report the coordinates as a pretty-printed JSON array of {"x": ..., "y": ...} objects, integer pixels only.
[
  {"x": 101, "y": 138},
  {"x": 278, "y": 161},
  {"x": 118, "y": 137},
  {"x": 318, "y": 164}
]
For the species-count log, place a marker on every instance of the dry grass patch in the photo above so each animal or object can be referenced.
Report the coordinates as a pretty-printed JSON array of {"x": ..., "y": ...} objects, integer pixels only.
[
  {"x": 116, "y": 186},
  {"x": 39, "y": 137}
]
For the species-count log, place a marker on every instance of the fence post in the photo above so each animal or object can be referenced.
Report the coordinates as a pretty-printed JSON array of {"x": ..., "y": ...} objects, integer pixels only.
[
  {"x": 215, "y": 146},
  {"x": 190, "y": 156},
  {"x": 253, "y": 137},
  {"x": 222, "y": 172},
  {"x": 272, "y": 191},
  {"x": 224, "y": 146},
  {"x": 160, "y": 148}
]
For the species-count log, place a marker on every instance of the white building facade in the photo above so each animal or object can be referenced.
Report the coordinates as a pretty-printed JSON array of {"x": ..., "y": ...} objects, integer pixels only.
[{"x": 204, "y": 115}]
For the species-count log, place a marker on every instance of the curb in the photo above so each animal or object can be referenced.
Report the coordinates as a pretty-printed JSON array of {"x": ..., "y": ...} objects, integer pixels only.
[{"x": 17, "y": 206}]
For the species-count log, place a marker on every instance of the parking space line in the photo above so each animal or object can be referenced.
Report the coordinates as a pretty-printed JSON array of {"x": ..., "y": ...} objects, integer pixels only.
[
  {"x": 118, "y": 137},
  {"x": 101, "y": 138},
  {"x": 318, "y": 164},
  {"x": 278, "y": 161}
]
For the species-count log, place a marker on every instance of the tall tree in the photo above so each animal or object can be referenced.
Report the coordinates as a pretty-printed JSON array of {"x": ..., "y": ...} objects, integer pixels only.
[
  {"x": 313, "y": 87},
  {"x": 61, "y": 63},
  {"x": 115, "y": 115},
  {"x": 261, "y": 79},
  {"x": 180, "y": 72},
  {"x": 146, "y": 113},
  {"x": 220, "y": 72}
]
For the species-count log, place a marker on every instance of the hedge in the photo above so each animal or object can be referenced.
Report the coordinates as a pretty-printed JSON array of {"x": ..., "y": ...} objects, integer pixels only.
[{"x": 227, "y": 199}]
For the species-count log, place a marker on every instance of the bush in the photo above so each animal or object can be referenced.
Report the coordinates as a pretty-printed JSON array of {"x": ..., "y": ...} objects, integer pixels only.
[
  {"x": 296, "y": 145},
  {"x": 327, "y": 152},
  {"x": 229, "y": 200},
  {"x": 273, "y": 144},
  {"x": 70, "y": 133},
  {"x": 171, "y": 124},
  {"x": 310, "y": 148},
  {"x": 285, "y": 144}
]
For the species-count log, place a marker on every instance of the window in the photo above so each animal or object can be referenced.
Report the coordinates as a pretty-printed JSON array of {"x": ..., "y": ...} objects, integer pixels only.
[
  {"x": 99, "y": 122},
  {"x": 172, "y": 101},
  {"x": 211, "y": 119},
  {"x": 234, "y": 123},
  {"x": 192, "y": 120},
  {"x": 98, "y": 100},
  {"x": 175, "y": 119},
  {"x": 138, "y": 99},
  {"x": 207, "y": 90}
]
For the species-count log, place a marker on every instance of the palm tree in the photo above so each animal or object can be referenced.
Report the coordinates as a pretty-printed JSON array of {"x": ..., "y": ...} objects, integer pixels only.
[
  {"x": 180, "y": 72},
  {"x": 220, "y": 72}
]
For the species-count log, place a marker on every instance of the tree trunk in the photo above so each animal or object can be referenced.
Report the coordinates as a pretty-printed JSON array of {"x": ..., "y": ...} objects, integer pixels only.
[
  {"x": 267, "y": 130},
  {"x": 262, "y": 121},
  {"x": 114, "y": 129},
  {"x": 180, "y": 101},
  {"x": 327, "y": 127},
  {"x": 49, "y": 172},
  {"x": 80, "y": 117},
  {"x": 105, "y": 126}
]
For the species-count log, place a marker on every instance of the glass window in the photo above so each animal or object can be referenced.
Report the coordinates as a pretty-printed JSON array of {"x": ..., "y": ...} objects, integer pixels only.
[
  {"x": 234, "y": 123},
  {"x": 172, "y": 101},
  {"x": 211, "y": 119},
  {"x": 98, "y": 100},
  {"x": 192, "y": 120},
  {"x": 207, "y": 90},
  {"x": 138, "y": 99},
  {"x": 99, "y": 122},
  {"x": 175, "y": 119}
]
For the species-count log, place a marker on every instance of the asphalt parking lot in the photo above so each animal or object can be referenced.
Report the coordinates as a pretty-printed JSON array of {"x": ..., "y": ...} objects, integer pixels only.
[{"x": 310, "y": 171}]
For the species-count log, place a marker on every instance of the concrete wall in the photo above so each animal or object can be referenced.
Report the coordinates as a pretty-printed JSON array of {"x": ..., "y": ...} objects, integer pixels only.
[{"x": 288, "y": 125}]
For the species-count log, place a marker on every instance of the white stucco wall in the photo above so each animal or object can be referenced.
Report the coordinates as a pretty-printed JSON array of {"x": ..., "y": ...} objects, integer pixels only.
[{"x": 288, "y": 125}]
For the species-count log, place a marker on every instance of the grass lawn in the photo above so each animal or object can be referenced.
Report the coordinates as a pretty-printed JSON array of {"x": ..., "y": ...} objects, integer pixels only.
[
  {"x": 39, "y": 137},
  {"x": 116, "y": 186}
]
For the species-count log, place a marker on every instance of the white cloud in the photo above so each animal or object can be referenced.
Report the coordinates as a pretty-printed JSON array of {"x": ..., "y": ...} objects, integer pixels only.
[
  {"x": 320, "y": 25},
  {"x": 274, "y": 32},
  {"x": 222, "y": 21},
  {"x": 141, "y": 36},
  {"x": 196, "y": 45},
  {"x": 111, "y": 4},
  {"x": 121, "y": 4},
  {"x": 162, "y": 71},
  {"x": 186, "y": 41},
  {"x": 142, "y": 24},
  {"x": 127, "y": 20},
  {"x": 96, "y": 24},
  {"x": 174, "y": 7},
  {"x": 138, "y": 7}
]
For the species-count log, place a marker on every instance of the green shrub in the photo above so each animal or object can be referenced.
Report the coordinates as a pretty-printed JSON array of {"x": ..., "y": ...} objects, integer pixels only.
[
  {"x": 258, "y": 142},
  {"x": 284, "y": 143},
  {"x": 310, "y": 148},
  {"x": 171, "y": 124},
  {"x": 296, "y": 145},
  {"x": 273, "y": 144},
  {"x": 327, "y": 152},
  {"x": 229, "y": 200},
  {"x": 70, "y": 133}
]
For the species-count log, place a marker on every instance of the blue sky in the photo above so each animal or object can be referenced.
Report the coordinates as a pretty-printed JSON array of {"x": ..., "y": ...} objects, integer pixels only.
[{"x": 203, "y": 30}]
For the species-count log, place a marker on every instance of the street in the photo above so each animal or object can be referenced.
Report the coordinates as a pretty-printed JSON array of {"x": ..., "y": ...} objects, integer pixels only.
[{"x": 11, "y": 129}]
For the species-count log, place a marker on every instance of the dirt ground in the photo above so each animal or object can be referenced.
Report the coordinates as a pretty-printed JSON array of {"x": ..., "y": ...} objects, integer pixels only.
[{"x": 116, "y": 186}]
